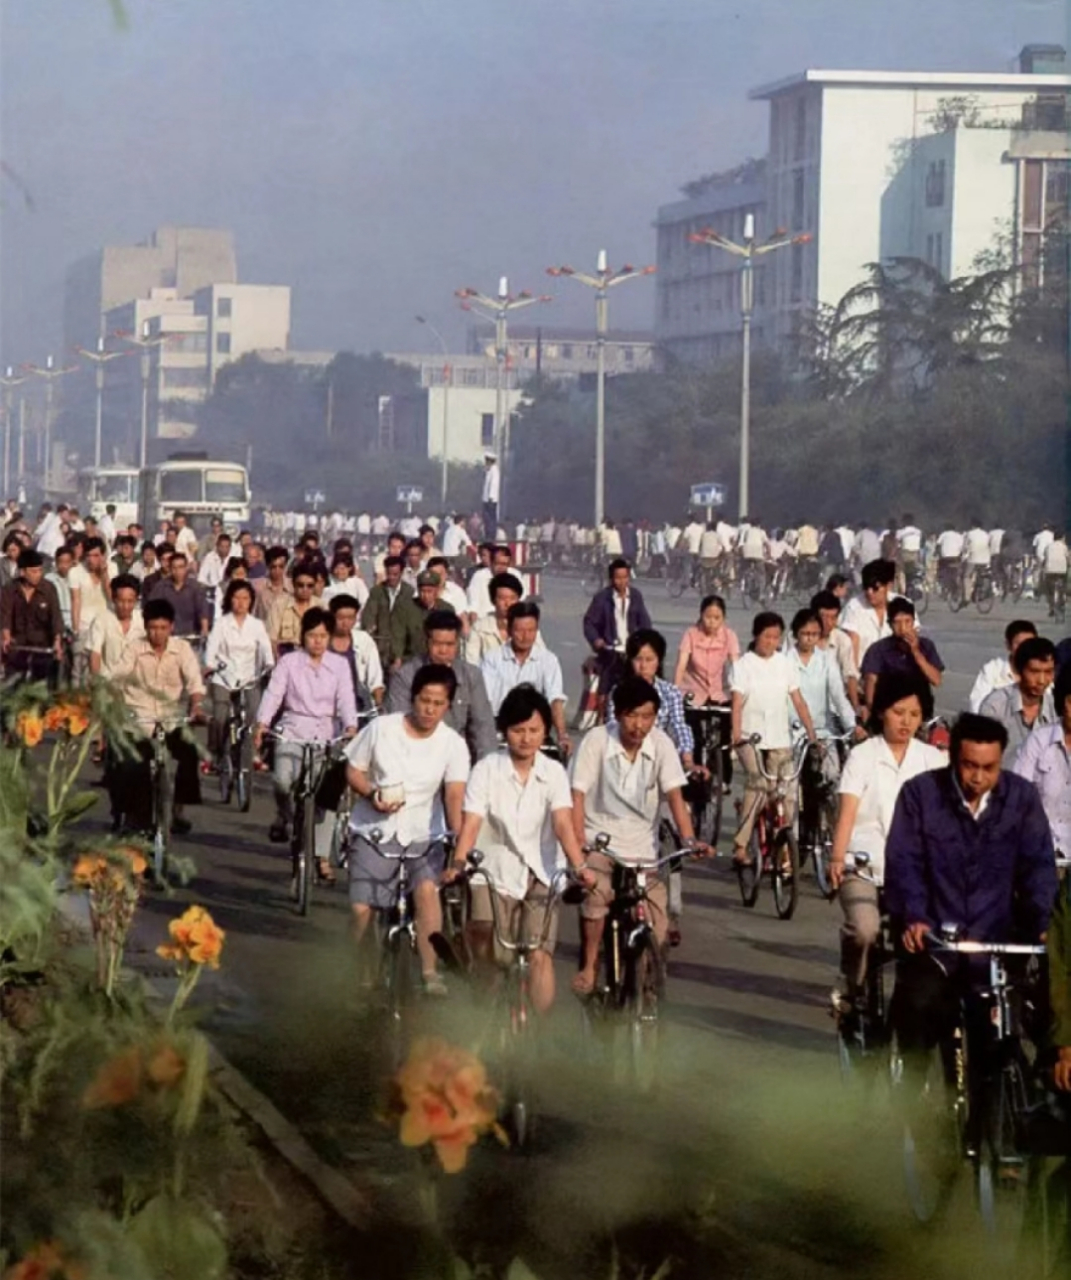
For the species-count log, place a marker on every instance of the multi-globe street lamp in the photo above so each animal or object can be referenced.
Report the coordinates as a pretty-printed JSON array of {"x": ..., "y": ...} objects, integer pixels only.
[
  {"x": 100, "y": 358},
  {"x": 748, "y": 251},
  {"x": 602, "y": 282},
  {"x": 146, "y": 342},
  {"x": 51, "y": 374},
  {"x": 9, "y": 382}
]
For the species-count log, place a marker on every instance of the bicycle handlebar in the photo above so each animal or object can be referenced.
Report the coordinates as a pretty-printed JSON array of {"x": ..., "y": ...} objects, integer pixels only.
[
  {"x": 967, "y": 947},
  {"x": 558, "y": 882},
  {"x": 755, "y": 740},
  {"x": 602, "y": 845}
]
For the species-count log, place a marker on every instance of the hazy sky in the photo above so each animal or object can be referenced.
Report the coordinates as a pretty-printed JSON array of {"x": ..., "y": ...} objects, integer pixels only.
[{"x": 377, "y": 154}]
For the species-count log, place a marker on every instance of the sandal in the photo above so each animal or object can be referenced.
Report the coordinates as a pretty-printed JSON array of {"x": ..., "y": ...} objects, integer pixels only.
[{"x": 324, "y": 874}]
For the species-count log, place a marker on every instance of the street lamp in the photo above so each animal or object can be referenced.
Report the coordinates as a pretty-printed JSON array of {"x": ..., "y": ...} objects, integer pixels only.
[
  {"x": 9, "y": 382},
  {"x": 50, "y": 373},
  {"x": 146, "y": 343},
  {"x": 602, "y": 282},
  {"x": 498, "y": 309},
  {"x": 447, "y": 378},
  {"x": 748, "y": 251},
  {"x": 100, "y": 358}
]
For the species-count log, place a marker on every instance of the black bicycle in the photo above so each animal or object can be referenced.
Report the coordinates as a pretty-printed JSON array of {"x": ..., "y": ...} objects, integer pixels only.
[
  {"x": 630, "y": 989},
  {"x": 235, "y": 762},
  {"x": 706, "y": 794},
  {"x": 818, "y": 805},
  {"x": 316, "y": 759},
  {"x": 863, "y": 1032},
  {"x": 977, "y": 1089}
]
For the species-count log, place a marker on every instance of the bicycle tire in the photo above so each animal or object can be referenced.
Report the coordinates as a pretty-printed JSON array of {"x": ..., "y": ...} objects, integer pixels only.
[
  {"x": 675, "y": 586},
  {"x": 706, "y": 807},
  {"x": 1001, "y": 1167},
  {"x": 400, "y": 972},
  {"x": 786, "y": 888},
  {"x": 749, "y": 874},
  {"x": 647, "y": 984},
  {"x": 304, "y": 855},
  {"x": 932, "y": 1137},
  {"x": 226, "y": 779},
  {"x": 244, "y": 789},
  {"x": 520, "y": 1110},
  {"x": 921, "y": 599},
  {"x": 161, "y": 826},
  {"x": 985, "y": 603},
  {"x": 822, "y": 848}
]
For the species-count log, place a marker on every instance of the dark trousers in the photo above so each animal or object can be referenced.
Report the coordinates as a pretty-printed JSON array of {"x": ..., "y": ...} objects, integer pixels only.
[
  {"x": 490, "y": 521},
  {"x": 128, "y": 779}
]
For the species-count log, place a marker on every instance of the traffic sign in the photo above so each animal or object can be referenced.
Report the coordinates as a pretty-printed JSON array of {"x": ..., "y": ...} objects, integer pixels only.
[
  {"x": 708, "y": 495},
  {"x": 315, "y": 496},
  {"x": 409, "y": 493}
]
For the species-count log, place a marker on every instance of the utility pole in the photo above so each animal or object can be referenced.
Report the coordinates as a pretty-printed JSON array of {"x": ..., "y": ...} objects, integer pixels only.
[
  {"x": 9, "y": 382},
  {"x": 146, "y": 343},
  {"x": 498, "y": 309},
  {"x": 748, "y": 251},
  {"x": 50, "y": 373},
  {"x": 447, "y": 378},
  {"x": 602, "y": 282},
  {"x": 100, "y": 358}
]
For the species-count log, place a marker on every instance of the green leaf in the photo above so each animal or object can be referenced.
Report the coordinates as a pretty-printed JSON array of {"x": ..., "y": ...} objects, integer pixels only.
[
  {"x": 77, "y": 804},
  {"x": 178, "y": 1240}
]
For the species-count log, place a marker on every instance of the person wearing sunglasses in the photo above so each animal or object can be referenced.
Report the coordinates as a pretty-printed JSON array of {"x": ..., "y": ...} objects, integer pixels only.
[{"x": 866, "y": 618}]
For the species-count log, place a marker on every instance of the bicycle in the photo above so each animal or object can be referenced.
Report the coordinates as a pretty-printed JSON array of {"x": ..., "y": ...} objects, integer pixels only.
[
  {"x": 678, "y": 574},
  {"x": 161, "y": 793},
  {"x": 975, "y": 1094},
  {"x": 774, "y": 849},
  {"x": 863, "y": 1032},
  {"x": 396, "y": 945},
  {"x": 633, "y": 968},
  {"x": 315, "y": 760},
  {"x": 983, "y": 592},
  {"x": 235, "y": 762},
  {"x": 753, "y": 581},
  {"x": 818, "y": 806},
  {"x": 915, "y": 588},
  {"x": 513, "y": 1001},
  {"x": 706, "y": 794}
]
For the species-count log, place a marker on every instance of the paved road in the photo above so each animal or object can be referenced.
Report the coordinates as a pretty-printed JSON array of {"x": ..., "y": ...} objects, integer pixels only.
[{"x": 751, "y": 1051}]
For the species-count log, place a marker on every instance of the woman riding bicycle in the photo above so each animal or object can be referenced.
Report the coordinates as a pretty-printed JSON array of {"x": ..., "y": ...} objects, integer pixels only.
[
  {"x": 645, "y": 652},
  {"x": 765, "y": 688},
  {"x": 707, "y": 652},
  {"x": 819, "y": 677},
  {"x": 238, "y": 654},
  {"x": 519, "y": 809},
  {"x": 409, "y": 772},
  {"x": 873, "y": 775},
  {"x": 314, "y": 691}
]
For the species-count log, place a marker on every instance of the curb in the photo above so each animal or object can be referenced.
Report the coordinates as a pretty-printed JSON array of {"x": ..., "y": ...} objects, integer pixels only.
[{"x": 336, "y": 1190}]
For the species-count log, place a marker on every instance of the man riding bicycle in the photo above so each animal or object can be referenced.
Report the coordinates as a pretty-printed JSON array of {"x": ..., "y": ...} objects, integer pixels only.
[
  {"x": 621, "y": 776},
  {"x": 969, "y": 845}
]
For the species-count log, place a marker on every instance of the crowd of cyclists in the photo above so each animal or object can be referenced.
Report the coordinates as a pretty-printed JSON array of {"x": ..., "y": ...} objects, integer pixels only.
[{"x": 448, "y": 706}]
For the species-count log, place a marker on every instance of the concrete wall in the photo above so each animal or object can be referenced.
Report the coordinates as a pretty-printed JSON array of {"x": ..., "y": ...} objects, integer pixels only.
[{"x": 466, "y": 408}]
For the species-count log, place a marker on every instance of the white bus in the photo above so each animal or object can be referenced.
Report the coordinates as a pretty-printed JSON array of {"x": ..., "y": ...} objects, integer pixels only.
[
  {"x": 198, "y": 486},
  {"x": 99, "y": 487}
]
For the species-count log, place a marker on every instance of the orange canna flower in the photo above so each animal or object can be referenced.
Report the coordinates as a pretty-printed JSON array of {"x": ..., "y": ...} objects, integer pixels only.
[
  {"x": 117, "y": 1082},
  {"x": 30, "y": 727},
  {"x": 166, "y": 1066},
  {"x": 54, "y": 719},
  {"x": 77, "y": 723},
  {"x": 195, "y": 937},
  {"x": 45, "y": 1262},
  {"x": 88, "y": 868},
  {"x": 446, "y": 1101}
]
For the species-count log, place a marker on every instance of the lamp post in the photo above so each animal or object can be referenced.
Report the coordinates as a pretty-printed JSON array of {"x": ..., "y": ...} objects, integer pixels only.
[
  {"x": 100, "y": 358},
  {"x": 50, "y": 373},
  {"x": 146, "y": 343},
  {"x": 498, "y": 309},
  {"x": 447, "y": 378},
  {"x": 748, "y": 251},
  {"x": 9, "y": 382},
  {"x": 602, "y": 282}
]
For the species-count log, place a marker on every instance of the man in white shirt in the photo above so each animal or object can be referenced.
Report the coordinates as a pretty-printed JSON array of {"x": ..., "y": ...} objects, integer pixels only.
[
  {"x": 865, "y": 618},
  {"x": 49, "y": 535},
  {"x": 998, "y": 673},
  {"x": 976, "y": 555},
  {"x": 1042, "y": 539},
  {"x": 754, "y": 544},
  {"x": 489, "y": 495},
  {"x": 950, "y": 543},
  {"x": 692, "y": 535},
  {"x": 620, "y": 778},
  {"x": 456, "y": 540},
  {"x": 106, "y": 526},
  {"x": 214, "y": 565},
  {"x": 1054, "y": 564},
  {"x": 111, "y": 633},
  {"x": 185, "y": 538},
  {"x": 479, "y": 595},
  {"x": 909, "y": 542}
]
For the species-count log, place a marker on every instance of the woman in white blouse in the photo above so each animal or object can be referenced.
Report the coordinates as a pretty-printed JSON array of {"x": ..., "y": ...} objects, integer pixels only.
[
  {"x": 869, "y": 786},
  {"x": 238, "y": 654},
  {"x": 766, "y": 689}
]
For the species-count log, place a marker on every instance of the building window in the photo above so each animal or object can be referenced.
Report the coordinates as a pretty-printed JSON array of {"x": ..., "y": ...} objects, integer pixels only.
[
  {"x": 935, "y": 184},
  {"x": 797, "y": 200},
  {"x": 630, "y": 355},
  {"x": 197, "y": 377},
  {"x": 1033, "y": 177},
  {"x": 796, "y": 288},
  {"x": 487, "y": 430},
  {"x": 223, "y": 308},
  {"x": 223, "y": 344}
]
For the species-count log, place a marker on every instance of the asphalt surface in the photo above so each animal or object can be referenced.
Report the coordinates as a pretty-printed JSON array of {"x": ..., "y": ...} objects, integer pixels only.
[{"x": 751, "y": 1088}]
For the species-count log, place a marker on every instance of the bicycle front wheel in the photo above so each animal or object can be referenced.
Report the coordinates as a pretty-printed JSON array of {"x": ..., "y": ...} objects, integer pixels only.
[
  {"x": 822, "y": 849},
  {"x": 400, "y": 973},
  {"x": 648, "y": 983},
  {"x": 226, "y": 778},
  {"x": 1001, "y": 1168},
  {"x": 932, "y": 1134},
  {"x": 304, "y": 861},
  {"x": 749, "y": 874},
  {"x": 785, "y": 869}
]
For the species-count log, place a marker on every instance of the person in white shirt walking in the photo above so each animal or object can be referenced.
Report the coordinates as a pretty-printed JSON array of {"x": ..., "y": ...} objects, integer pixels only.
[
  {"x": 518, "y": 810},
  {"x": 489, "y": 496}
]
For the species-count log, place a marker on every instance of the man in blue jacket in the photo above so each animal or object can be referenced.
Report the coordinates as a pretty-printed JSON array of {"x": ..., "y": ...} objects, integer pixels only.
[
  {"x": 969, "y": 845},
  {"x": 614, "y": 613}
]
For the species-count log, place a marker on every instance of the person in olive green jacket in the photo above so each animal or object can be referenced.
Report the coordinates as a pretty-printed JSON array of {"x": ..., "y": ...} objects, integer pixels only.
[
  {"x": 1059, "y": 944},
  {"x": 392, "y": 618}
]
